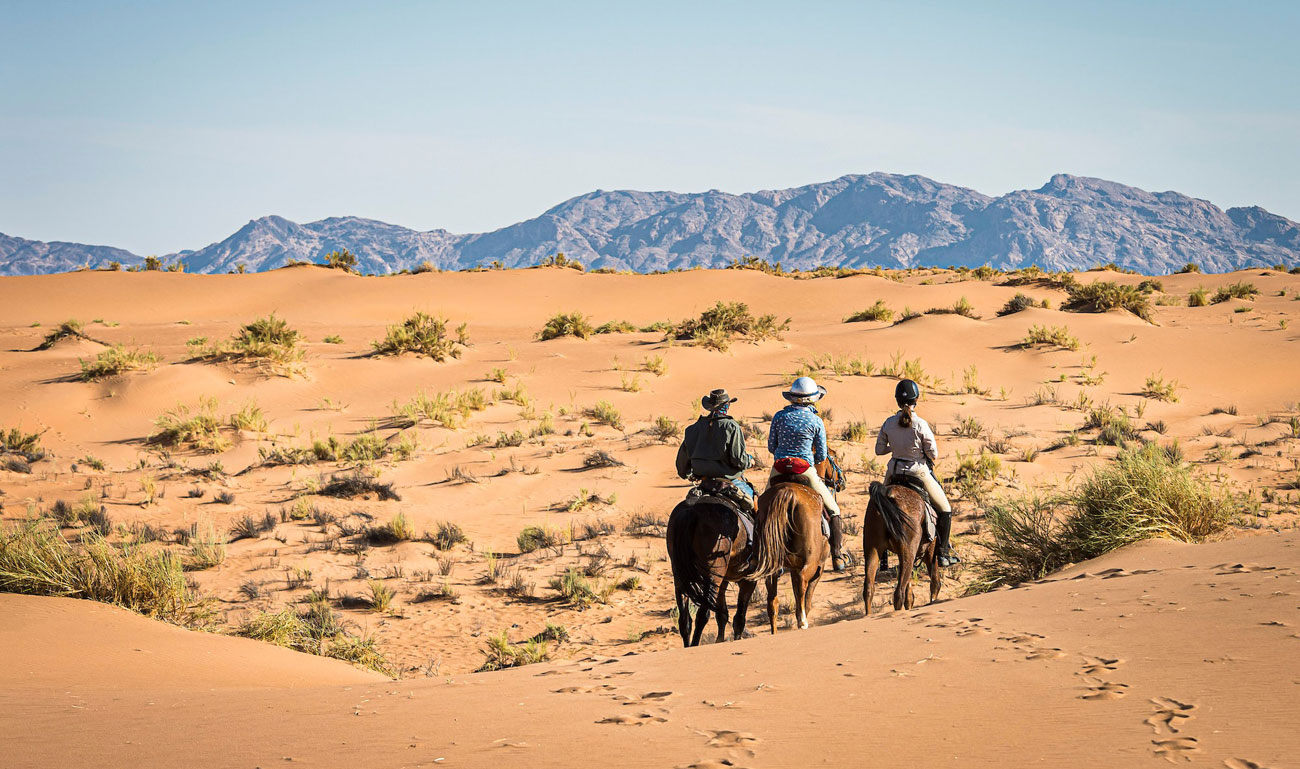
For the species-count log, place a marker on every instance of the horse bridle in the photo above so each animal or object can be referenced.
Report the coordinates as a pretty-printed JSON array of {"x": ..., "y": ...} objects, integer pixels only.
[{"x": 836, "y": 484}]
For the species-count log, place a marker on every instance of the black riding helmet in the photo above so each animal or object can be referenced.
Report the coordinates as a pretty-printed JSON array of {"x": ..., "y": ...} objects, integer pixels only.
[{"x": 907, "y": 391}]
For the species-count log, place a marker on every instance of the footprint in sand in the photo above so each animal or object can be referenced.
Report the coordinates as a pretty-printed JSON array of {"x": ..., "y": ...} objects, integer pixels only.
[
  {"x": 1242, "y": 763},
  {"x": 1047, "y": 654},
  {"x": 644, "y": 698},
  {"x": 1104, "y": 690},
  {"x": 1175, "y": 748},
  {"x": 1240, "y": 568},
  {"x": 725, "y": 738},
  {"x": 711, "y": 763},
  {"x": 640, "y": 719},
  {"x": 602, "y": 689},
  {"x": 1170, "y": 715},
  {"x": 1094, "y": 665}
]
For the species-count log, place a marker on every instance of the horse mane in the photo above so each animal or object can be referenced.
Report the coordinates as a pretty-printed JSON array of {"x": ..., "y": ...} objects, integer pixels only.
[
  {"x": 694, "y": 580},
  {"x": 896, "y": 522}
]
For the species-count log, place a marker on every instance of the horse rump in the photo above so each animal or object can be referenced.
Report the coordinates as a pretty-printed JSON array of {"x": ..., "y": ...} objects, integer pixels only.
[
  {"x": 890, "y": 513},
  {"x": 690, "y": 575}
]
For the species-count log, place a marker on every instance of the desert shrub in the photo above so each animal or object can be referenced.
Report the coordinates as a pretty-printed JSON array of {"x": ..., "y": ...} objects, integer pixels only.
[
  {"x": 500, "y": 654},
  {"x": 616, "y": 327},
  {"x": 356, "y": 485},
  {"x": 398, "y": 529},
  {"x": 580, "y": 592},
  {"x": 341, "y": 260},
  {"x": 1017, "y": 303},
  {"x": 423, "y": 334},
  {"x": 1239, "y": 290},
  {"x": 1199, "y": 297},
  {"x": 1151, "y": 284},
  {"x": 601, "y": 458},
  {"x": 198, "y": 429},
  {"x": 646, "y": 524},
  {"x": 1050, "y": 336},
  {"x": 115, "y": 361},
  {"x": 560, "y": 260},
  {"x": 664, "y": 429},
  {"x": 36, "y": 560},
  {"x": 856, "y": 432},
  {"x": 1114, "y": 428},
  {"x": 605, "y": 412},
  {"x": 1102, "y": 296},
  {"x": 719, "y": 325},
  {"x": 250, "y": 418},
  {"x": 566, "y": 324},
  {"x": 1188, "y": 268},
  {"x": 876, "y": 312},
  {"x": 68, "y": 329},
  {"x": 447, "y": 535},
  {"x": 533, "y": 538},
  {"x": 317, "y": 630},
  {"x": 333, "y": 339},
  {"x": 269, "y": 343},
  {"x": 976, "y": 471},
  {"x": 381, "y": 595},
  {"x": 970, "y": 427},
  {"x": 26, "y": 446},
  {"x": 655, "y": 364},
  {"x": 1158, "y": 388},
  {"x": 251, "y": 527},
  {"x": 207, "y": 548}
]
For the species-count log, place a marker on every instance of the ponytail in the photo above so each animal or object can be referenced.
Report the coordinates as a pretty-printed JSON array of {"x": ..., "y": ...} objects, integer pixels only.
[{"x": 905, "y": 415}]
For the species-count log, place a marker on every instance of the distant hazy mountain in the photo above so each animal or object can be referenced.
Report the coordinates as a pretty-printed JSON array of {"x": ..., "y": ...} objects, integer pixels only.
[{"x": 1070, "y": 223}]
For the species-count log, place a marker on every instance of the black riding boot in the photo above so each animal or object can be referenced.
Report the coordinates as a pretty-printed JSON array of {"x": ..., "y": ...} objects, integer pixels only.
[
  {"x": 944, "y": 534},
  {"x": 837, "y": 543}
]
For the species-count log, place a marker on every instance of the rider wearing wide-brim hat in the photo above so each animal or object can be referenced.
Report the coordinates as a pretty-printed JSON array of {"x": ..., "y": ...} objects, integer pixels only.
[
  {"x": 910, "y": 440},
  {"x": 797, "y": 440},
  {"x": 714, "y": 447}
]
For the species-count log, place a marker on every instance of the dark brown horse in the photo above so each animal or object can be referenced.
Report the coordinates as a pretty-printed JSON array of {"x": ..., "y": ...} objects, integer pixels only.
[
  {"x": 708, "y": 550},
  {"x": 791, "y": 537},
  {"x": 893, "y": 522}
]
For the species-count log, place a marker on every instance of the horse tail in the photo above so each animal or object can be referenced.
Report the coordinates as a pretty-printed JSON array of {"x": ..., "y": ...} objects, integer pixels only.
[
  {"x": 890, "y": 513},
  {"x": 774, "y": 530},
  {"x": 691, "y": 576}
]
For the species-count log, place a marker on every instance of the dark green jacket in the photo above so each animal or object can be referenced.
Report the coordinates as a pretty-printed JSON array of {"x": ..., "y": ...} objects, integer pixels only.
[{"x": 713, "y": 447}]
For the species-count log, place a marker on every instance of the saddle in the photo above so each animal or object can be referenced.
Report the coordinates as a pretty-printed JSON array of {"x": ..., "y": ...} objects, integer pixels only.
[
  {"x": 720, "y": 491},
  {"x": 931, "y": 526}
]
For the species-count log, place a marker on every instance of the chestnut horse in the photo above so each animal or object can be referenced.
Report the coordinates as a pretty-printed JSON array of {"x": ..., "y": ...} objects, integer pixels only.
[
  {"x": 791, "y": 537},
  {"x": 708, "y": 550},
  {"x": 893, "y": 522}
]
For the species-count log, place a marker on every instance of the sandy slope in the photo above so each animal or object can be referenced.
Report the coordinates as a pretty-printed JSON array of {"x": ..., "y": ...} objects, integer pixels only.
[
  {"x": 1219, "y": 357},
  {"x": 1162, "y": 651}
]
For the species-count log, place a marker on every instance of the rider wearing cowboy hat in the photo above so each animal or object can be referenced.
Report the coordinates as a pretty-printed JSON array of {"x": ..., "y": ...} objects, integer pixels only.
[
  {"x": 714, "y": 447},
  {"x": 797, "y": 440}
]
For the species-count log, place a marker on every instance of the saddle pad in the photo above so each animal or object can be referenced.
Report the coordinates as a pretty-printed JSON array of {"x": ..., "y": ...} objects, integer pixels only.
[{"x": 931, "y": 523}]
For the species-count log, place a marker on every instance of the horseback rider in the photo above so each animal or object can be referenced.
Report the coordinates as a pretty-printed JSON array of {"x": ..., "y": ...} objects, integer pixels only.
[
  {"x": 714, "y": 447},
  {"x": 911, "y": 440},
  {"x": 797, "y": 440}
]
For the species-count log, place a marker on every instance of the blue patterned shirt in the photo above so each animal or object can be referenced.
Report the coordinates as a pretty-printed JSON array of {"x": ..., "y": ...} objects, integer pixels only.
[{"x": 797, "y": 431}]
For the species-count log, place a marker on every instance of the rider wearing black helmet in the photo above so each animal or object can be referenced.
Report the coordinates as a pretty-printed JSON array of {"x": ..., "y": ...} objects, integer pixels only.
[{"x": 911, "y": 441}]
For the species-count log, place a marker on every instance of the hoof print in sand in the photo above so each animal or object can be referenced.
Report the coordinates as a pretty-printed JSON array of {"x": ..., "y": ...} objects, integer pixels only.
[
  {"x": 1242, "y": 763},
  {"x": 712, "y": 763},
  {"x": 1104, "y": 690},
  {"x": 640, "y": 719},
  {"x": 1170, "y": 715},
  {"x": 1176, "y": 748},
  {"x": 1094, "y": 665},
  {"x": 1047, "y": 654}
]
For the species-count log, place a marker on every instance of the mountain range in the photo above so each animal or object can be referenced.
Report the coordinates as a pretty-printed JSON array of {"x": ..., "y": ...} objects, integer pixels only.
[{"x": 878, "y": 219}]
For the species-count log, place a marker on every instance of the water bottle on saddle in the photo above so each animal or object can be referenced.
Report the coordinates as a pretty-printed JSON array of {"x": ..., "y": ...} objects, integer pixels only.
[{"x": 713, "y": 452}]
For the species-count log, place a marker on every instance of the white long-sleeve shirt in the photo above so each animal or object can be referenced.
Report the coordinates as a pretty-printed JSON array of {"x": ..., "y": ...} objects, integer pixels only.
[{"x": 915, "y": 443}]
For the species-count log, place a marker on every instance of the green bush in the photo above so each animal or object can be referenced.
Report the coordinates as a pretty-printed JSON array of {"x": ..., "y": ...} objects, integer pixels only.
[
  {"x": 566, "y": 324},
  {"x": 1017, "y": 303},
  {"x": 115, "y": 361},
  {"x": 1102, "y": 296},
  {"x": 1053, "y": 336},
  {"x": 719, "y": 325},
  {"x": 1240, "y": 290},
  {"x": 1144, "y": 493},
  {"x": 341, "y": 260},
  {"x": 533, "y": 538},
  {"x": 876, "y": 312},
  {"x": 501, "y": 654},
  {"x": 267, "y": 342},
  {"x": 1199, "y": 297},
  {"x": 423, "y": 334},
  {"x": 616, "y": 327}
]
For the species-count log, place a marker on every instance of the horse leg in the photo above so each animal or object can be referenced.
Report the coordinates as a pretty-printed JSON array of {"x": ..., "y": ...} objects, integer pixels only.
[
  {"x": 683, "y": 617},
  {"x": 772, "y": 605},
  {"x": 701, "y": 619},
  {"x": 798, "y": 583},
  {"x": 743, "y": 594},
  {"x": 721, "y": 613},
  {"x": 936, "y": 573},
  {"x": 869, "y": 585},
  {"x": 810, "y": 584},
  {"x": 903, "y": 590}
]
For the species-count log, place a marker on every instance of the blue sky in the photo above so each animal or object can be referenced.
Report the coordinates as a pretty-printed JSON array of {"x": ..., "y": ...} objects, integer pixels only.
[{"x": 159, "y": 126}]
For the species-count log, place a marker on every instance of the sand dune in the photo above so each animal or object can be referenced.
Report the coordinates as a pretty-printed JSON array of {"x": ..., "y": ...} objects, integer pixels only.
[
  {"x": 1160, "y": 651},
  {"x": 1235, "y": 365}
]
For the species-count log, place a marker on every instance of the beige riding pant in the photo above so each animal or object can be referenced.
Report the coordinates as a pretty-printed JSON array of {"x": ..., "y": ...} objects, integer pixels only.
[
  {"x": 819, "y": 486},
  {"x": 924, "y": 474}
]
